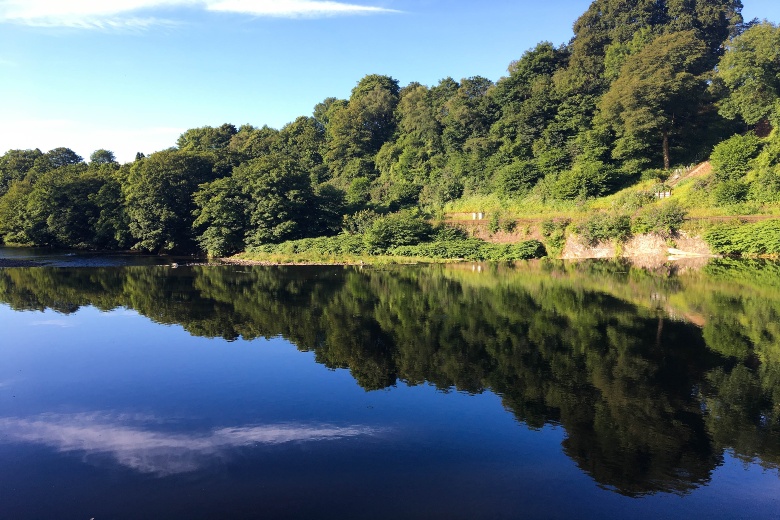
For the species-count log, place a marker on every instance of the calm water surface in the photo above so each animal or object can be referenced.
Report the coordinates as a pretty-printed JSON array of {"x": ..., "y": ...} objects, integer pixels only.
[{"x": 543, "y": 390}]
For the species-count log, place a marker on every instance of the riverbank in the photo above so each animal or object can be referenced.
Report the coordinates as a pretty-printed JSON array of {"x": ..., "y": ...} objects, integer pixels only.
[
  {"x": 309, "y": 259},
  {"x": 5, "y": 262},
  {"x": 645, "y": 248}
]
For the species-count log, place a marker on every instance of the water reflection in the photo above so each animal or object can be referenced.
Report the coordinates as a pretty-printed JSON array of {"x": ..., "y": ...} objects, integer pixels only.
[
  {"x": 653, "y": 374},
  {"x": 132, "y": 443}
]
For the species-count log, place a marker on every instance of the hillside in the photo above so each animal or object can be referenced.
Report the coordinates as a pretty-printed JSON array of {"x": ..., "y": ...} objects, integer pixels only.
[{"x": 577, "y": 138}]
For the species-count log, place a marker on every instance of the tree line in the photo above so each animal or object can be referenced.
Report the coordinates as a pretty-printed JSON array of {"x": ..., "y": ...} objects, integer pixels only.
[{"x": 642, "y": 86}]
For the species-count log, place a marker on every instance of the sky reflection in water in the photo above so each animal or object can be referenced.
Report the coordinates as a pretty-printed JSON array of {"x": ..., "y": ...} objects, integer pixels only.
[
  {"x": 158, "y": 452},
  {"x": 426, "y": 393}
]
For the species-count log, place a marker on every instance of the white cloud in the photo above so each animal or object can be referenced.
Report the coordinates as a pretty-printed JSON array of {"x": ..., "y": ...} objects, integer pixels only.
[
  {"x": 85, "y": 14},
  {"x": 123, "y": 14},
  {"x": 293, "y": 8},
  {"x": 158, "y": 452},
  {"x": 54, "y": 323}
]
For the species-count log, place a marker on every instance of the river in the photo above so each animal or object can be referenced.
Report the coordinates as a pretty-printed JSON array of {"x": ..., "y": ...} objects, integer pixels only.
[{"x": 546, "y": 389}]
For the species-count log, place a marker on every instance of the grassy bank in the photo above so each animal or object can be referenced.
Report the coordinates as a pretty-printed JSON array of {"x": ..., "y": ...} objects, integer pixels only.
[{"x": 444, "y": 246}]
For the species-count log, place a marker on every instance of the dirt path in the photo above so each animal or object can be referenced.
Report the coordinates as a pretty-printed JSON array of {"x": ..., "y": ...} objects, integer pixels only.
[{"x": 701, "y": 170}]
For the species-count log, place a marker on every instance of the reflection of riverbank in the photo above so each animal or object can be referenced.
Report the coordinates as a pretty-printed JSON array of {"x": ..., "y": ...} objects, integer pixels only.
[
  {"x": 623, "y": 358},
  {"x": 49, "y": 257},
  {"x": 5, "y": 262}
]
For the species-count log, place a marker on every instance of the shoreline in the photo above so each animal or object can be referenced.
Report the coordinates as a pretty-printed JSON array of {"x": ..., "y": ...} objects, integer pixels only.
[{"x": 7, "y": 262}]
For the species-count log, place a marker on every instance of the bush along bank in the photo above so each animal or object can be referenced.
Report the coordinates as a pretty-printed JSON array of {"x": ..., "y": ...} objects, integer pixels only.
[
  {"x": 396, "y": 237},
  {"x": 757, "y": 239}
]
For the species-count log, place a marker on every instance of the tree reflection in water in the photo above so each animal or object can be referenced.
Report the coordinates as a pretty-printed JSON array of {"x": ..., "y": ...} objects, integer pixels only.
[{"x": 653, "y": 374}]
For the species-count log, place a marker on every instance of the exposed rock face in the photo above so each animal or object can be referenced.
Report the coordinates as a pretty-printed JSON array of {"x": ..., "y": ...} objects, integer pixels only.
[{"x": 639, "y": 246}]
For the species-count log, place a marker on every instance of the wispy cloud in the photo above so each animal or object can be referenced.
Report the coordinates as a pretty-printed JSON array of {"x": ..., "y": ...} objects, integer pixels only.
[
  {"x": 54, "y": 323},
  {"x": 86, "y": 14},
  {"x": 142, "y": 14},
  {"x": 158, "y": 452},
  {"x": 293, "y": 8}
]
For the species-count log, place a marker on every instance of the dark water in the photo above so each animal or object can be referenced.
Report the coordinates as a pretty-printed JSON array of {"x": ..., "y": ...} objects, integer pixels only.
[
  {"x": 544, "y": 390},
  {"x": 68, "y": 258}
]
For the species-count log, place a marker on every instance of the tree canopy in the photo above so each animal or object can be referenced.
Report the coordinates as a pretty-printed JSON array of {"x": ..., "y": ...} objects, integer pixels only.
[{"x": 642, "y": 85}]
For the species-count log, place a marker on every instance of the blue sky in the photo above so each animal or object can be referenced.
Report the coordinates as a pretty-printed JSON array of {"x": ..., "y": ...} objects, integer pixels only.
[{"x": 131, "y": 75}]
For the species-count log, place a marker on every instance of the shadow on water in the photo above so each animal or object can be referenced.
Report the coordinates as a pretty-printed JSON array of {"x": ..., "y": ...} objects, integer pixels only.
[
  {"x": 47, "y": 257},
  {"x": 653, "y": 374}
]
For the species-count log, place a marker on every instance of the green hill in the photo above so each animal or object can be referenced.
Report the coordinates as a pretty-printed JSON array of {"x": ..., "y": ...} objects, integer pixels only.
[{"x": 580, "y": 137}]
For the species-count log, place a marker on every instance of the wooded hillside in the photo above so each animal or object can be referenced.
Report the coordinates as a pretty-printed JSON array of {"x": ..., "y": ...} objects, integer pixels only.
[{"x": 643, "y": 86}]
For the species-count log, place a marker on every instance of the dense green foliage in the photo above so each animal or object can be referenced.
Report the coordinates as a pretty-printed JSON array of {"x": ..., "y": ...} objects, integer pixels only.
[
  {"x": 472, "y": 249},
  {"x": 602, "y": 227},
  {"x": 641, "y": 86},
  {"x": 652, "y": 375},
  {"x": 761, "y": 238},
  {"x": 398, "y": 235},
  {"x": 664, "y": 219},
  {"x": 731, "y": 158},
  {"x": 751, "y": 71}
]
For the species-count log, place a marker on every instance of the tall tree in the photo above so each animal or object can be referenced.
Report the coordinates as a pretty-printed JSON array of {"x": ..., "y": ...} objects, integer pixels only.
[
  {"x": 358, "y": 129},
  {"x": 282, "y": 199},
  {"x": 102, "y": 156},
  {"x": 159, "y": 199},
  {"x": 75, "y": 207},
  {"x": 657, "y": 93},
  {"x": 13, "y": 213},
  {"x": 303, "y": 141},
  {"x": 14, "y": 165},
  {"x": 222, "y": 216},
  {"x": 750, "y": 69},
  {"x": 57, "y": 158},
  {"x": 206, "y": 138}
]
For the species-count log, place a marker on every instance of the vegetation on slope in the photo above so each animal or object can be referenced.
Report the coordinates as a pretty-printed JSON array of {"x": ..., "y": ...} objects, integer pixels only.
[{"x": 596, "y": 124}]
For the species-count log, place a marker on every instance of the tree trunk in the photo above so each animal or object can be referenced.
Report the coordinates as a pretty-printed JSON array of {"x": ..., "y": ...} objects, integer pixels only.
[{"x": 667, "y": 161}]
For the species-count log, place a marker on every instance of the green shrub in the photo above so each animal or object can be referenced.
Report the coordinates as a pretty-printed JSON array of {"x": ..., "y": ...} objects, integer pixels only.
[
  {"x": 655, "y": 174},
  {"x": 498, "y": 223},
  {"x": 508, "y": 225},
  {"x": 360, "y": 222},
  {"x": 584, "y": 179},
  {"x": 730, "y": 192},
  {"x": 765, "y": 188},
  {"x": 472, "y": 249},
  {"x": 397, "y": 229},
  {"x": 555, "y": 233},
  {"x": 548, "y": 227},
  {"x": 343, "y": 244},
  {"x": 731, "y": 158},
  {"x": 516, "y": 178},
  {"x": 663, "y": 219},
  {"x": 494, "y": 224},
  {"x": 770, "y": 154},
  {"x": 760, "y": 238},
  {"x": 359, "y": 191},
  {"x": 633, "y": 200},
  {"x": 601, "y": 227},
  {"x": 701, "y": 185},
  {"x": 445, "y": 233}
]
